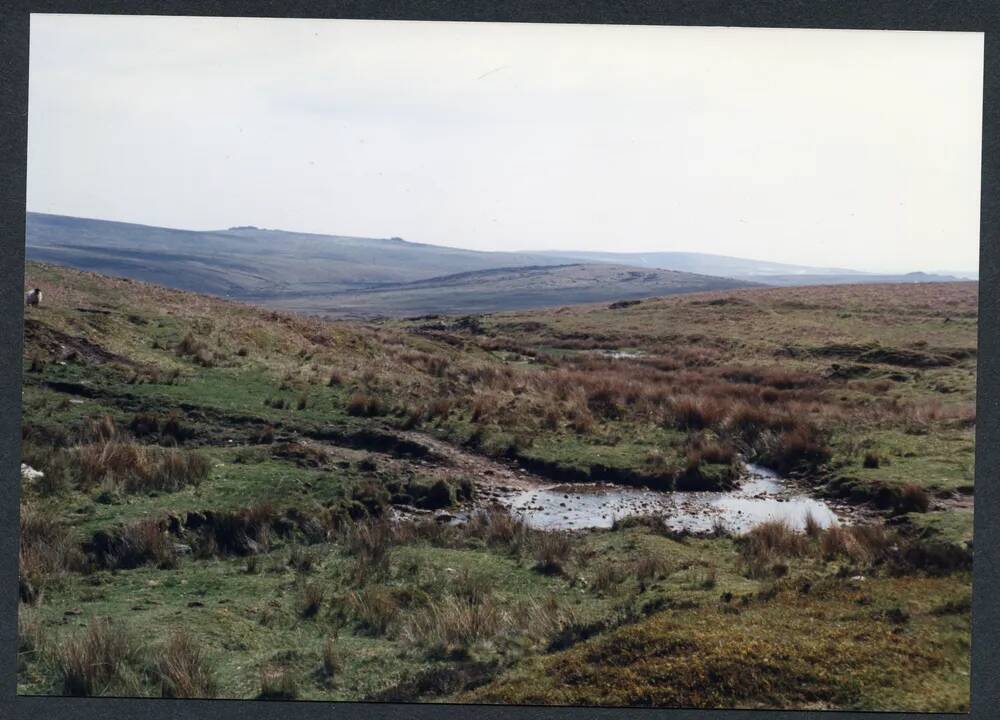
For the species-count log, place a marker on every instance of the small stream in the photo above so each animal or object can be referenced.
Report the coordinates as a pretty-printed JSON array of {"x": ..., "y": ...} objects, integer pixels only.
[{"x": 763, "y": 496}]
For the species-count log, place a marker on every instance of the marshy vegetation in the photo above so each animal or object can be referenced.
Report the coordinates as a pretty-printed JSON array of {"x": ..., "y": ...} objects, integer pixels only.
[{"x": 274, "y": 485}]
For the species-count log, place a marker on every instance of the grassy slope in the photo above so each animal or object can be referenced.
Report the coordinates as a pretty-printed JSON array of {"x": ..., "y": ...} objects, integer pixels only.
[
  {"x": 488, "y": 385},
  {"x": 918, "y": 420}
]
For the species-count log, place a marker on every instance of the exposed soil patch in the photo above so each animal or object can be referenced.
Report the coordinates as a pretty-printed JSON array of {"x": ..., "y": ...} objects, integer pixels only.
[
  {"x": 67, "y": 348},
  {"x": 439, "y": 682}
]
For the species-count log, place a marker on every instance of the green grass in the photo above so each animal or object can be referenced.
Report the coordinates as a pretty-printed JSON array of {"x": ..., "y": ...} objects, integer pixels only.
[
  {"x": 646, "y": 619},
  {"x": 615, "y": 447},
  {"x": 953, "y": 527},
  {"x": 246, "y": 619},
  {"x": 939, "y": 461},
  {"x": 230, "y": 487}
]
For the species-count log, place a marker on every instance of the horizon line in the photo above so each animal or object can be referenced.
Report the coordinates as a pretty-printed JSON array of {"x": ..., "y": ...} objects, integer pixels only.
[{"x": 512, "y": 251}]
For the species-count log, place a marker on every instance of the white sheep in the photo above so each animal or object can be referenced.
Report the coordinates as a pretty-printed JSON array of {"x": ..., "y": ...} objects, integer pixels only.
[{"x": 33, "y": 298}]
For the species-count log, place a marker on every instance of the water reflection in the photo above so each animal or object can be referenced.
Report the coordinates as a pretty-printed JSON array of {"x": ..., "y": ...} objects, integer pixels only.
[{"x": 763, "y": 496}]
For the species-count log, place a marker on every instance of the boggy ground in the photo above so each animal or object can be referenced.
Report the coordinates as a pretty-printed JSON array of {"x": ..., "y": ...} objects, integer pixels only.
[{"x": 218, "y": 478}]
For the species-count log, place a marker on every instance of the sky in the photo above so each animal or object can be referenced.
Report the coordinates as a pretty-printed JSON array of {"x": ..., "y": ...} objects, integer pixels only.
[{"x": 840, "y": 148}]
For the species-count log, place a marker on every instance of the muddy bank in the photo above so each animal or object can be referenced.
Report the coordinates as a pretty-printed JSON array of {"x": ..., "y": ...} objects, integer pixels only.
[
  {"x": 702, "y": 477},
  {"x": 57, "y": 346},
  {"x": 211, "y": 426}
]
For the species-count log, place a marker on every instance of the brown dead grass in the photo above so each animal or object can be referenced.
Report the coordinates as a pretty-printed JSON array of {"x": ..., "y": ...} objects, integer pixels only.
[
  {"x": 100, "y": 660},
  {"x": 185, "y": 669},
  {"x": 138, "y": 468}
]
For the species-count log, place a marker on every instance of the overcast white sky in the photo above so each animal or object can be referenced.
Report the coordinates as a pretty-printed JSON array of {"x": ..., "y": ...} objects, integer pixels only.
[{"x": 844, "y": 148}]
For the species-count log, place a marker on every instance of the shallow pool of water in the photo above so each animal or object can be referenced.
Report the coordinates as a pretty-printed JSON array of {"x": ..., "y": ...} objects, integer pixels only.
[
  {"x": 621, "y": 354},
  {"x": 763, "y": 496}
]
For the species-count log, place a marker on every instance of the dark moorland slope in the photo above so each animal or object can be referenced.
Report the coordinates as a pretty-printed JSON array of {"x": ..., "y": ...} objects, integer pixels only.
[
  {"x": 247, "y": 262},
  {"x": 516, "y": 288},
  {"x": 367, "y": 277}
]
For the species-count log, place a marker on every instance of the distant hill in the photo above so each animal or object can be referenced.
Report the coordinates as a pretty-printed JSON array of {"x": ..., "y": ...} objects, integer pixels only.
[
  {"x": 339, "y": 274},
  {"x": 247, "y": 262},
  {"x": 854, "y": 278},
  {"x": 762, "y": 271},
  {"x": 516, "y": 288},
  {"x": 705, "y": 263},
  {"x": 389, "y": 276}
]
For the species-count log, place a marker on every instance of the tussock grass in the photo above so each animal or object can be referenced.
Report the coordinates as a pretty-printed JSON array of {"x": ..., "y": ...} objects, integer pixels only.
[
  {"x": 197, "y": 350},
  {"x": 277, "y": 683},
  {"x": 30, "y": 636},
  {"x": 139, "y": 468},
  {"x": 812, "y": 527},
  {"x": 370, "y": 540},
  {"x": 766, "y": 547},
  {"x": 607, "y": 577},
  {"x": 136, "y": 544},
  {"x": 100, "y": 430},
  {"x": 438, "y": 408},
  {"x": 46, "y": 552},
  {"x": 547, "y": 621},
  {"x": 450, "y": 627},
  {"x": 651, "y": 567},
  {"x": 470, "y": 586},
  {"x": 301, "y": 560},
  {"x": 913, "y": 498},
  {"x": 237, "y": 532},
  {"x": 765, "y": 544},
  {"x": 454, "y": 626},
  {"x": 374, "y": 609},
  {"x": 793, "y": 449},
  {"x": 185, "y": 669},
  {"x": 311, "y": 599},
  {"x": 332, "y": 660},
  {"x": 690, "y": 413},
  {"x": 498, "y": 528},
  {"x": 363, "y": 404},
  {"x": 552, "y": 551},
  {"x": 710, "y": 450},
  {"x": 56, "y": 466},
  {"x": 97, "y": 661}
]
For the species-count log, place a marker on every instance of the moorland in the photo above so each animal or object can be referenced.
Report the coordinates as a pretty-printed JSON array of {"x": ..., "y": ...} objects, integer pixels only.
[
  {"x": 357, "y": 277},
  {"x": 241, "y": 502}
]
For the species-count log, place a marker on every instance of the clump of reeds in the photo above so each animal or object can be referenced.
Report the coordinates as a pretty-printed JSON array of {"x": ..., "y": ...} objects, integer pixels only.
[
  {"x": 184, "y": 668},
  {"x": 139, "y": 468},
  {"x": 310, "y": 600},
  {"x": 552, "y": 551},
  {"x": 765, "y": 544},
  {"x": 449, "y": 627},
  {"x": 374, "y": 609},
  {"x": 277, "y": 683},
  {"x": 141, "y": 542},
  {"x": 46, "y": 552},
  {"x": 91, "y": 663},
  {"x": 332, "y": 661},
  {"x": 365, "y": 405}
]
